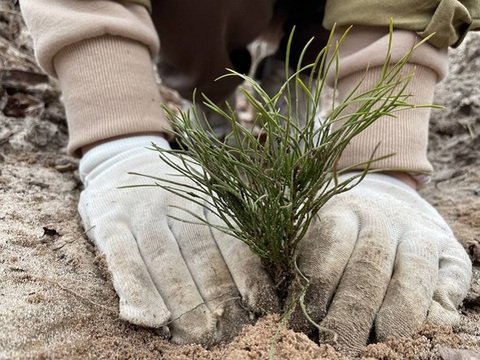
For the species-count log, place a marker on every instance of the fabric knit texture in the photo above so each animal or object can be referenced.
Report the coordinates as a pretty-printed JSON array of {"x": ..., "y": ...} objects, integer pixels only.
[
  {"x": 404, "y": 136},
  {"x": 107, "y": 95},
  {"x": 101, "y": 51}
]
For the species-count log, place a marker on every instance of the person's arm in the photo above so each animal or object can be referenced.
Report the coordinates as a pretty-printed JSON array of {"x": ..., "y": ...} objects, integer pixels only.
[
  {"x": 380, "y": 257},
  {"x": 202, "y": 284},
  {"x": 404, "y": 136},
  {"x": 101, "y": 52}
]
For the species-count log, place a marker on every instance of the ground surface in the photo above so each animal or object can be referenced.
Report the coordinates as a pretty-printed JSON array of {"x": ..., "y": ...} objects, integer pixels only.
[{"x": 57, "y": 302}]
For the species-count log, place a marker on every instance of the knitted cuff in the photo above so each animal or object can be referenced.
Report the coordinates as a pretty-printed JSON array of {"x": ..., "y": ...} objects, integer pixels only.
[
  {"x": 405, "y": 135},
  {"x": 109, "y": 90}
]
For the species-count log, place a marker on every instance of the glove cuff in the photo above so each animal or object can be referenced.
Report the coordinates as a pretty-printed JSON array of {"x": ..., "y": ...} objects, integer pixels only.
[
  {"x": 379, "y": 177},
  {"x": 117, "y": 150}
]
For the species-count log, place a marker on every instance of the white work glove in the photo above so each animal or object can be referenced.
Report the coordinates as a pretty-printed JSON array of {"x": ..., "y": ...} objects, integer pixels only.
[
  {"x": 208, "y": 283},
  {"x": 379, "y": 256}
]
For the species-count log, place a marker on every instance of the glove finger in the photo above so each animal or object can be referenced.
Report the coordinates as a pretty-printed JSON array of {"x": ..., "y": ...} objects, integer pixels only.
[
  {"x": 140, "y": 302},
  {"x": 323, "y": 265},
  {"x": 454, "y": 276},
  {"x": 210, "y": 273},
  {"x": 409, "y": 293},
  {"x": 191, "y": 319},
  {"x": 252, "y": 281},
  {"x": 363, "y": 286}
]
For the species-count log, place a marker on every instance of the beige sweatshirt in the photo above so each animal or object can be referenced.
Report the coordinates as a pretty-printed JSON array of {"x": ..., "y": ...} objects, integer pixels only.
[{"x": 101, "y": 51}]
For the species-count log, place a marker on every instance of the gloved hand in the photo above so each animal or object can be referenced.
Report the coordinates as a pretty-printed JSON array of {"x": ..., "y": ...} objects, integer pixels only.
[
  {"x": 163, "y": 269},
  {"x": 379, "y": 256}
]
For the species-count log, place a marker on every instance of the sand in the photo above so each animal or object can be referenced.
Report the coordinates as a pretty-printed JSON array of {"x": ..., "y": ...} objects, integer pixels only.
[{"x": 56, "y": 298}]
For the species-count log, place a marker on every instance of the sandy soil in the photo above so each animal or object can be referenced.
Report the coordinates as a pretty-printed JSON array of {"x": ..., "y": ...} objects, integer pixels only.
[{"x": 56, "y": 300}]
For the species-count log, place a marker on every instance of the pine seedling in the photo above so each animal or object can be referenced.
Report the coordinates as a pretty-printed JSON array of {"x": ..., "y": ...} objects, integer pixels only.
[{"x": 267, "y": 189}]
